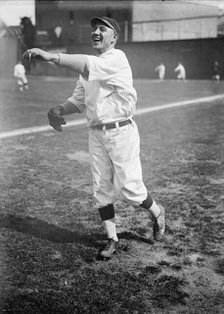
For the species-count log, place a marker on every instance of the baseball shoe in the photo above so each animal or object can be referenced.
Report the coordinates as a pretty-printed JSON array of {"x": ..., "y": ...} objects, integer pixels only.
[
  {"x": 159, "y": 225},
  {"x": 109, "y": 249}
]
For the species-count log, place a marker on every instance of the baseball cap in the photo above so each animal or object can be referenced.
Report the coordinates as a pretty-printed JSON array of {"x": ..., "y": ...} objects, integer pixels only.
[{"x": 109, "y": 22}]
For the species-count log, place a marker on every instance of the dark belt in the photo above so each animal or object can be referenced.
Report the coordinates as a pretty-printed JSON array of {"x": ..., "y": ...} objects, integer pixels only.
[{"x": 108, "y": 126}]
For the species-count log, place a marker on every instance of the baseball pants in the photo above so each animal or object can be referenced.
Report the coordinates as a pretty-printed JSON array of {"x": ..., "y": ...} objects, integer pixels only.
[{"x": 116, "y": 166}]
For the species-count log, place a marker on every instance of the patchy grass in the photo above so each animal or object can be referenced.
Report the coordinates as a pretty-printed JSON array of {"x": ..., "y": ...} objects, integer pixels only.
[{"x": 51, "y": 234}]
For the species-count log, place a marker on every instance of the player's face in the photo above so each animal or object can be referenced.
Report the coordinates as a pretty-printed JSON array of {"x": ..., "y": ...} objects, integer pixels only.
[{"x": 103, "y": 38}]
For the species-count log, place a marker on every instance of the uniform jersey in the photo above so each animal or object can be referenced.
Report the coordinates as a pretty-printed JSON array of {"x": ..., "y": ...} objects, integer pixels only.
[
  {"x": 161, "y": 70},
  {"x": 19, "y": 70},
  {"x": 108, "y": 95},
  {"x": 181, "y": 71}
]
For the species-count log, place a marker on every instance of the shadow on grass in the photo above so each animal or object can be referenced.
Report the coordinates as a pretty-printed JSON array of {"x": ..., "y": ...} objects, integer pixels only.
[
  {"x": 50, "y": 232},
  {"x": 44, "y": 230}
]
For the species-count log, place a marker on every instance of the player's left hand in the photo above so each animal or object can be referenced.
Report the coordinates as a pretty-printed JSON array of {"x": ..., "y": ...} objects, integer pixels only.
[{"x": 56, "y": 119}]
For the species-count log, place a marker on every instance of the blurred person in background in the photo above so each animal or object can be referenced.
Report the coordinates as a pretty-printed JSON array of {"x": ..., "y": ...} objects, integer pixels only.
[
  {"x": 216, "y": 72},
  {"x": 20, "y": 74},
  {"x": 181, "y": 72},
  {"x": 161, "y": 69}
]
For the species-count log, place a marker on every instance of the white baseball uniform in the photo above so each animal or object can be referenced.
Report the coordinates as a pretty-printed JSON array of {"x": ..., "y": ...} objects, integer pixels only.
[
  {"x": 20, "y": 74},
  {"x": 181, "y": 72},
  {"x": 161, "y": 69},
  {"x": 109, "y": 97}
]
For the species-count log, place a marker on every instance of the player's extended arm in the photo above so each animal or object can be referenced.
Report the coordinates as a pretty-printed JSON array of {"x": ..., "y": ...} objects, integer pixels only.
[{"x": 75, "y": 62}]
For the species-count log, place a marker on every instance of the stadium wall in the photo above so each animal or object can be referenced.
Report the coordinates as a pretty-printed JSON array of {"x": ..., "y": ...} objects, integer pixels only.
[
  {"x": 196, "y": 55},
  {"x": 8, "y": 56}
]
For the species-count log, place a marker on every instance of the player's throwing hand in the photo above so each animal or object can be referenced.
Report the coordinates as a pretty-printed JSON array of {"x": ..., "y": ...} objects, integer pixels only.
[{"x": 39, "y": 54}]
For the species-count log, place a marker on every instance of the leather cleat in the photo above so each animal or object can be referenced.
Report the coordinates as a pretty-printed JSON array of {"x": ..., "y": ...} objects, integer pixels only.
[
  {"x": 109, "y": 249},
  {"x": 159, "y": 225}
]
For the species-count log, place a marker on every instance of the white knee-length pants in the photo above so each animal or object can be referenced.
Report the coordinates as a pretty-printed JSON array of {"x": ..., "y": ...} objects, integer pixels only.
[{"x": 116, "y": 166}]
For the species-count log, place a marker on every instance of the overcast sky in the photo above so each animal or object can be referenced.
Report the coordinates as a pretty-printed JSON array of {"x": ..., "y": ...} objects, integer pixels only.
[{"x": 11, "y": 11}]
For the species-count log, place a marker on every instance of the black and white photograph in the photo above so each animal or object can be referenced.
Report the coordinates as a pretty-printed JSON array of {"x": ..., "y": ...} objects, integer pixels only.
[{"x": 112, "y": 157}]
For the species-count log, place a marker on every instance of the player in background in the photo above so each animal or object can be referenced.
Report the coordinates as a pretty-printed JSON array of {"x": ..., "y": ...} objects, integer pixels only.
[
  {"x": 20, "y": 74},
  {"x": 216, "y": 72},
  {"x": 181, "y": 72},
  {"x": 105, "y": 90},
  {"x": 161, "y": 69}
]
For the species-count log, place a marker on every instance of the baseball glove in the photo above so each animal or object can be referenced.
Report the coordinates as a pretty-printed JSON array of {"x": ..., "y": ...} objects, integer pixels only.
[{"x": 56, "y": 119}]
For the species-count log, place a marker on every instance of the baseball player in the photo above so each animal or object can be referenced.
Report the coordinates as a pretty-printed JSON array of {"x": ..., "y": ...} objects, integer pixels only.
[
  {"x": 181, "y": 72},
  {"x": 20, "y": 74},
  {"x": 105, "y": 89},
  {"x": 161, "y": 69},
  {"x": 216, "y": 70}
]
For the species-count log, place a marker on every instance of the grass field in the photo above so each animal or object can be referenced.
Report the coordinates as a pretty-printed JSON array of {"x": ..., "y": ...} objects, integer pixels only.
[{"x": 50, "y": 231}]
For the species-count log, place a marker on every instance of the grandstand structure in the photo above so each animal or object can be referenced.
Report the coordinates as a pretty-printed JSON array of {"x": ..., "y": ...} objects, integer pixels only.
[
  {"x": 140, "y": 20},
  {"x": 173, "y": 20}
]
